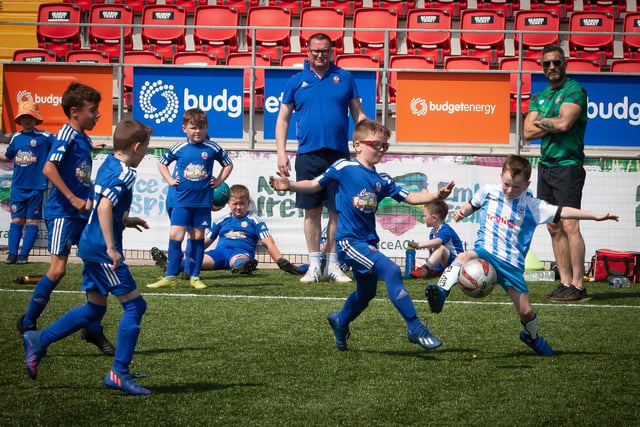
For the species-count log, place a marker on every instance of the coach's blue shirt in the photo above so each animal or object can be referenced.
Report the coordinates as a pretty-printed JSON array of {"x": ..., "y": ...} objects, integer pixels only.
[
  {"x": 322, "y": 107},
  {"x": 71, "y": 151},
  {"x": 29, "y": 151}
]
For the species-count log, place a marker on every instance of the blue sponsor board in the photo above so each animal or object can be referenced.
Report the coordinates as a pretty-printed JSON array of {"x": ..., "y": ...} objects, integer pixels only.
[
  {"x": 162, "y": 95},
  {"x": 613, "y": 108},
  {"x": 274, "y": 84}
]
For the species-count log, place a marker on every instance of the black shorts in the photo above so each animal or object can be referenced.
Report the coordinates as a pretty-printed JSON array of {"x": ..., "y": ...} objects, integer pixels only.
[
  {"x": 310, "y": 165},
  {"x": 561, "y": 185}
]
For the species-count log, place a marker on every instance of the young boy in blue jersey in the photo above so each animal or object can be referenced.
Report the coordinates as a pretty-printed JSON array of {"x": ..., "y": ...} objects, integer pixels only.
[
  {"x": 444, "y": 244},
  {"x": 509, "y": 215},
  {"x": 68, "y": 168},
  {"x": 194, "y": 160},
  {"x": 360, "y": 190},
  {"x": 28, "y": 150},
  {"x": 104, "y": 270}
]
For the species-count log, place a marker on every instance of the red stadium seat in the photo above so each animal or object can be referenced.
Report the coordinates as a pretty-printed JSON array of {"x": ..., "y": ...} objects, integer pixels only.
[
  {"x": 482, "y": 45},
  {"x": 625, "y": 66},
  {"x": 631, "y": 43},
  {"x": 242, "y": 6},
  {"x": 579, "y": 65},
  {"x": 323, "y": 17},
  {"x": 535, "y": 20},
  {"x": 598, "y": 47},
  {"x": 507, "y": 7},
  {"x": 435, "y": 45},
  {"x": 34, "y": 55},
  {"x": 85, "y": 5},
  {"x": 136, "y": 57},
  {"x": 194, "y": 58},
  {"x": 136, "y": 5},
  {"x": 272, "y": 43},
  {"x": 188, "y": 5},
  {"x": 245, "y": 59},
  {"x": 562, "y": 7},
  {"x": 348, "y": 6},
  {"x": 406, "y": 61},
  {"x": 470, "y": 63},
  {"x": 156, "y": 34},
  {"x": 59, "y": 38},
  {"x": 293, "y": 59},
  {"x": 373, "y": 42},
  {"x": 359, "y": 60},
  {"x": 401, "y": 7},
  {"x": 218, "y": 41},
  {"x": 614, "y": 7},
  {"x": 295, "y": 6},
  {"x": 88, "y": 56},
  {"x": 108, "y": 39},
  {"x": 512, "y": 64},
  {"x": 455, "y": 7}
]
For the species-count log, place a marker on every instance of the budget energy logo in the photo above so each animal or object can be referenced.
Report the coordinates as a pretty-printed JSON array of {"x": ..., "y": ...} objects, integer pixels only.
[
  {"x": 622, "y": 110},
  {"x": 421, "y": 106}
]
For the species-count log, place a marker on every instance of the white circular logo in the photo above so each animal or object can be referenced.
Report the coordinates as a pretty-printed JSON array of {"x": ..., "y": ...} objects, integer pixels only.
[
  {"x": 419, "y": 107},
  {"x": 24, "y": 95},
  {"x": 146, "y": 98}
]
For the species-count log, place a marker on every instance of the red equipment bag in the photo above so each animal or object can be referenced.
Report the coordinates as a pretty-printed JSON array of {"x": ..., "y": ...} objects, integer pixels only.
[{"x": 608, "y": 262}]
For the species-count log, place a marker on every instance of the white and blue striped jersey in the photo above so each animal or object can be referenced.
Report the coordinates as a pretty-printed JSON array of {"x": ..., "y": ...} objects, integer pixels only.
[
  {"x": 239, "y": 234},
  {"x": 29, "y": 151},
  {"x": 114, "y": 181},
  {"x": 71, "y": 151},
  {"x": 359, "y": 192},
  {"x": 194, "y": 167},
  {"x": 507, "y": 226}
]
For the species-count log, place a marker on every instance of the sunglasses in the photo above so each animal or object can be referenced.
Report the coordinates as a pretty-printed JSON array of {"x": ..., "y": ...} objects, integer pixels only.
[
  {"x": 555, "y": 62},
  {"x": 318, "y": 52},
  {"x": 376, "y": 145}
]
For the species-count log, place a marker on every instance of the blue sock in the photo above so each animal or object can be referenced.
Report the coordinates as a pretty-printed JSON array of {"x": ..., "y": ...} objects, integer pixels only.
[
  {"x": 366, "y": 286},
  {"x": 38, "y": 301},
  {"x": 128, "y": 332},
  {"x": 73, "y": 320},
  {"x": 29, "y": 239},
  {"x": 389, "y": 271},
  {"x": 197, "y": 251},
  {"x": 15, "y": 234},
  {"x": 174, "y": 257},
  {"x": 187, "y": 261},
  {"x": 238, "y": 262}
]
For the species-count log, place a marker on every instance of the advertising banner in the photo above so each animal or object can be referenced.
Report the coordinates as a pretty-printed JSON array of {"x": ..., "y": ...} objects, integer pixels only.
[
  {"x": 613, "y": 108},
  {"x": 45, "y": 85},
  {"x": 453, "y": 107},
  {"x": 161, "y": 95}
]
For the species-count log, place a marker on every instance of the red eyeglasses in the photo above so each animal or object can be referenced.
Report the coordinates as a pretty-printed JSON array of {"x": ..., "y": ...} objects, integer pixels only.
[{"x": 376, "y": 145}]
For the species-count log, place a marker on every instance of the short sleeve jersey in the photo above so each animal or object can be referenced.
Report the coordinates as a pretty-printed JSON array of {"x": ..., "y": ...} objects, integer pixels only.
[
  {"x": 321, "y": 105},
  {"x": 359, "y": 192},
  {"x": 449, "y": 237},
  {"x": 114, "y": 182},
  {"x": 565, "y": 148},
  {"x": 71, "y": 151},
  {"x": 194, "y": 167},
  {"x": 507, "y": 226},
  {"x": 29, "y": 151},
  {"x": 241, "y": 234}
]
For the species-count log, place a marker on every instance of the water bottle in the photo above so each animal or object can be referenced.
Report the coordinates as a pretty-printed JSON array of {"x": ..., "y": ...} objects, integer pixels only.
[
  {"x": 28, "y": 280},
  {"x": 409, "y": 261},
  {"x": 619, "y": 281}
]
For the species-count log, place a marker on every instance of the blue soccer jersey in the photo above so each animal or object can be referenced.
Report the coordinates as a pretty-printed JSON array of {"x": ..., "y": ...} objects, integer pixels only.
[
  {"x": 194, "y": 167},
  {"x": 71, "y": 151},
  {"x": 238, "y": 234},
  {"x": 507, "y": 226},
  {"x": 114, "y": 181},
  {"x": 360, "y": 190},
  {"x": 29, "y": 151},
  {"x": 321, "y": 106},
  {"x": 449, "y": 237}
]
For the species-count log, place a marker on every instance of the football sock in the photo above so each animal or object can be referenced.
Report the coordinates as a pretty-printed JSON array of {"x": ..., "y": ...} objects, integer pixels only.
[
  {"x": 73, "y": 320},
  {"x": 450, "y": 276},
  {"x": 197, "y": 253},
  {"x": 366, "y": 286},
  {"x": 315, "y": 259},
  {"x": 174, "y": 257},
  {"x": 187, "y": 260},
  {"x": 332, "y": 261},
  {"x": 427, "y": 264},
  {"x": 15, "y": 234},
  {"x": 531, "y": 326},
  {"x": 238, "y": 262},
  {"x": 389, "y": 271},
  {"x": 128, "y": 332},
  {"x": 29, "y": 239},
  {"x": 38, "y": 301}
]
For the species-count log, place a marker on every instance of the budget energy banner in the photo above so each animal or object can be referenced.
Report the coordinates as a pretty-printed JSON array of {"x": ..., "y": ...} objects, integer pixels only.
[
  {"x": 613, "y": 108},
  {"x": 275, "y": 82},
  {"x": 162, "y": 95},
  {"x": 453, "y": 108},
  {"x": 45, "y": 85}
]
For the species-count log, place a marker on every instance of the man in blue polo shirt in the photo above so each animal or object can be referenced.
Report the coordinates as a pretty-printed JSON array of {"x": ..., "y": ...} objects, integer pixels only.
[{"x": 322, "y": 95}]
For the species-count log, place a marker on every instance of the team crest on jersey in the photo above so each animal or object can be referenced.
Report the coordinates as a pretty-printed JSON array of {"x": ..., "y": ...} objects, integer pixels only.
[
  {"x": 378, "y": 185},
  {"x": 195, "y": 172},
  {"x": 14, "y": 208},
  {"x": 244, "y": 224},
  {"x": 83, "y": 173},
  {"x": 204, "y": 155},
  {"x": 25, "y": 158},
  {"x": 336, "y": 79},
  {"x": 33, "y": 143},
  {"x": 365, "y": 201}
]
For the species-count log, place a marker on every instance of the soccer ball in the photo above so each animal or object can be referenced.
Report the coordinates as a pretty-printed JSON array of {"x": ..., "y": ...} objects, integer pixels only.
[
  {"x": 221, "y": 195},
  {"x": 477, "y": 278}
]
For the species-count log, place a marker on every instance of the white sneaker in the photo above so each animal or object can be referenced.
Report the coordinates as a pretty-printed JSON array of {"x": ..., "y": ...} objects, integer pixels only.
[
  {"x": 311, "y": 276},
  {"x": 336, "y": 275}
]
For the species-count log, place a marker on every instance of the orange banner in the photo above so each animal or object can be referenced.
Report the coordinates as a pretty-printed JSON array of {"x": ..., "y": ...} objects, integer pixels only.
[
  {"x": 453, "y": 107},
  {"x": 45, "y": 85}
]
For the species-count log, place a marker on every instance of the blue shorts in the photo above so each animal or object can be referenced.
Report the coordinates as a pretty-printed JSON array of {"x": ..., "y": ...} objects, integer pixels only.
[
  {"x": 64, "y": 233},
  {"x": 360, "y": 256},
  {"x": 191, "y": 217},
  {"x": 99, "y": 276},
  {"x": 27, "y": 204},
  {"x": 309, "y": 166},
  {"x": 222, "y": 257},
  {"x": 508, "y": 275}
]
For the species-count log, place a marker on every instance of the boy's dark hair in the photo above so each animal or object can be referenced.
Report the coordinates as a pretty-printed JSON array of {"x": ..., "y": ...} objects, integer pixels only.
[
  {"x": 128, "y": 132},
  {"x": 366, "y": 128},
  {"x": 196, "y": 117},
  {"x": 320, "y": 36},
  {"x": 76, "y": 95},
  {"x": 438, "y": 207},
  {"x": 517, "y": 166},
  {"x": 239, "y": 191},
  {"x": 552, "y": 48}
]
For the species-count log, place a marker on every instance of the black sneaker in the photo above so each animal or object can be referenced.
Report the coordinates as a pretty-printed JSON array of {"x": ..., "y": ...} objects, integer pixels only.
[
  {"x": 99, "y": 340},
  {"x": 21, "y": 328},
  {"x": 572, "y": 294},
  {"x": 12, "y": 258},
  {"x": 22, "y": 259},
  {"x": 159, "y": 257},
  {"x": 245, "y": 267},
  {"x": 560, "y": 289}
]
